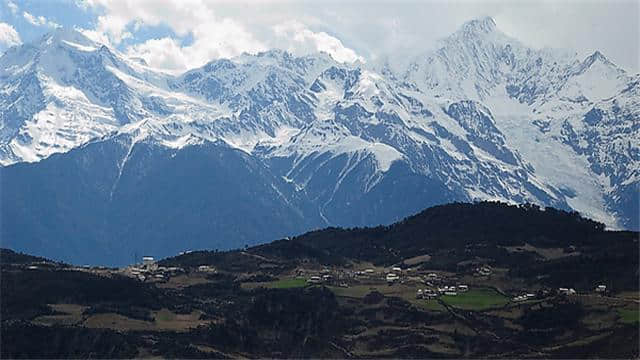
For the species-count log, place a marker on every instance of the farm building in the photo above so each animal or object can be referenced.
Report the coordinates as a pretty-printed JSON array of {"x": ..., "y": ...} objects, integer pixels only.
[
  {"x": 392, "y": 277},
  {"x": 566, "y": 291},
  {"x": 206, "y": 268}
]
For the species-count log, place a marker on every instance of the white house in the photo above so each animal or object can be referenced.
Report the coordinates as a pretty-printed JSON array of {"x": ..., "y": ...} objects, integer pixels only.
[
  {"x": 566, "y": 291},
  {"x": 206, "y": 268},
  {"x": 392, "y": 277}
]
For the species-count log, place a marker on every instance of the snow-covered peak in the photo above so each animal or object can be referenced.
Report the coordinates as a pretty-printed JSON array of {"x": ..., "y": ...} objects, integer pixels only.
[
  {"x": 479, "y": 60},
  {"x": 268, "y": 57},
  {"x": 596, "y": 78},
  {"x": 481, "y": 31},
  {"x": 455, "y": 114},
  {"x": 308, "y": 66},
  {"x": 468, "y": 63},
  {"x": 597, "y": 56},
  {"x": 599, "y": 60},
  {"x": 482, "y": 25},
  {"x": 70, "y": 36}
]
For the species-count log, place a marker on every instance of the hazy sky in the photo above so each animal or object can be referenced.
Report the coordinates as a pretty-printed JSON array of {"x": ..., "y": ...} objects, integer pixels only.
[{"x": 180, "y": 34}]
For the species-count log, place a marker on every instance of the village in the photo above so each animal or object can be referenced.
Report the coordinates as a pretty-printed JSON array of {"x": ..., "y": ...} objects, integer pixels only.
[
  {"x": 427, "y": 285},
  {"x": 410, "y": 282},
  {"x": 191, "y": 291}
]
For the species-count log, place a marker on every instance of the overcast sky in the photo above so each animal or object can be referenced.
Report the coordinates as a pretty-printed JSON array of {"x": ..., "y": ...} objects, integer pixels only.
[{"x": 179, "y": 34}]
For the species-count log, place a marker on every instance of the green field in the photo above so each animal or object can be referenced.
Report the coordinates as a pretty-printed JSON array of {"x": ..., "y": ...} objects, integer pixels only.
[
  {"x": 629, "y": 316},
  {"x": 476, "y": 299}
]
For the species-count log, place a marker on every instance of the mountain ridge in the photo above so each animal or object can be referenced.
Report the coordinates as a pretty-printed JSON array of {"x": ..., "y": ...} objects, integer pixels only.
[{"x": 482, "y": 118}]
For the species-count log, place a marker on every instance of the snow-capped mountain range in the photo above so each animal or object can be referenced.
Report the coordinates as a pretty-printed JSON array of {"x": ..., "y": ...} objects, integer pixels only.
[{"x": 481, "y": 117}]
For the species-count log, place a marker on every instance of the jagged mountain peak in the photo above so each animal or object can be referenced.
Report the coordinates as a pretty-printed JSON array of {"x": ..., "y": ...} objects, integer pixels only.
[
  {"x": 59, "y": 51},
  {"x": 275, "y": 54},
  {"x": 478, "y": 33},
  {"x": 270, "y": 56},
  {"x": 598, "y": 57},
  {"x": 279, "y": 57},
  {"x": 481, "y": 25}
]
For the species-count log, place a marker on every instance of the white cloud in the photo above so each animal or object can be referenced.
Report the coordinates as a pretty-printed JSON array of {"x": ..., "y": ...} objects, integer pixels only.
[
  {"x": 96, "y": 36},
  {"x": 223, "y": 39},
  {"x": 214, "y": 35},
  {"x": 181, "y": 16},
  {"x": 352, "y": 29},
  {"x": 39, "y": 20},
  {"x": 12, "y": 6},
  {"x": 163, "y": 53},
  {"x": 8, "y": 35},
  {"x": 301, "y": 39}
]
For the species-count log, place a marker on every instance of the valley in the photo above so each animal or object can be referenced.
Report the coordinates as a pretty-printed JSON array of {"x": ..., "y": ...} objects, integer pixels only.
[
  {"x": 514, "y": 281},
  {"x": 319, "y": 180}
]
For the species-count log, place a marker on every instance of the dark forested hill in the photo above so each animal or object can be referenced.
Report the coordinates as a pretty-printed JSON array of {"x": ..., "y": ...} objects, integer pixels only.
[
  {"x": 8, "y": 256},
  {"x": 456, "y": 235},
  {"x": 458, "y": 225}
]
